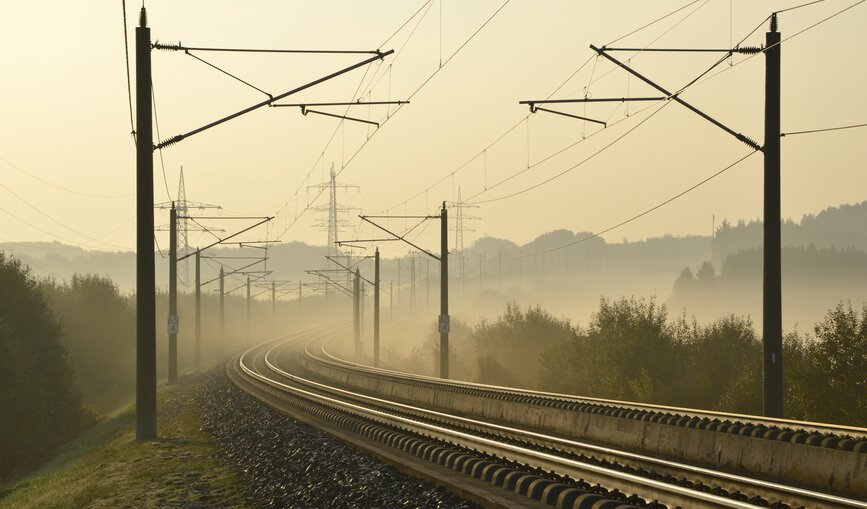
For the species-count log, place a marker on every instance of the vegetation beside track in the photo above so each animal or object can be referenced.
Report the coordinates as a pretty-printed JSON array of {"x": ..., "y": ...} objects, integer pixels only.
[{"x": 107, "y": 467}]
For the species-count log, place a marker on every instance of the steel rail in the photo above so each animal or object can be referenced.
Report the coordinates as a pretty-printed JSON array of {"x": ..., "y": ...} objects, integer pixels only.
[
  {"x": 671, "y": 493},
  {"x": 816, "y": 427},
  {"x": 761, "y": 487},
  {"x": 469, "y": 441}
]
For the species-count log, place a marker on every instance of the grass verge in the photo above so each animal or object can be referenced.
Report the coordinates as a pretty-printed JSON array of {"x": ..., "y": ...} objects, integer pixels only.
[{"x": 107, "y": 467}]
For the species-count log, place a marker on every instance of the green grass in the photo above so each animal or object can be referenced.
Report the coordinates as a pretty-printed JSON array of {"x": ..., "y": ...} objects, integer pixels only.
[{"x": 107, "y": 467}]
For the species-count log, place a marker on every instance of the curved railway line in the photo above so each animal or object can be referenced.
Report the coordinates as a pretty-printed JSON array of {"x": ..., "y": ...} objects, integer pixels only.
[{"x": 545, "y": 448}]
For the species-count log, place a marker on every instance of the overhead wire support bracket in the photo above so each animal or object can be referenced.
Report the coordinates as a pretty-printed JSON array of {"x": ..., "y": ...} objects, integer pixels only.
[
  {"x": 592, "y": 100},
  {"x": 741, "y": 49},
  {"x": 305, "y": 108},
  {"x": 336, "y": 283},
  {"x": 257, "y": 274},
  {"x": 346, "y": 242},
  {"x": 231, "y": 272},
  {"x": 402, "y": 237},
  {"x": 305, "y": 111},
  {"x": 222, "y": 217},
  {"x": 534, "y": 109},
  {"x": 399, "y": 217},
  {"x": 349, "y": 270},
  {"x": 180, "y": 47},
  {"x": 350, "y": 103},
  {"x": 222, "y": 241},
  {"x": 674, "y": 97},
  {"x": 179, "y": 137}
]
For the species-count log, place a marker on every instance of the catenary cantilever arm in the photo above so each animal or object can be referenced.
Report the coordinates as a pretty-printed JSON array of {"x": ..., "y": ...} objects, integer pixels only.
[
  {"x": 674, "y": 97},
  {"x": 268, "y": 101}
]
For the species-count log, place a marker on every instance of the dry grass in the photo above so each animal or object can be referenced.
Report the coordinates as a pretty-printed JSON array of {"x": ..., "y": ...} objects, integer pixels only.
[{"x": 107, "y": 467}]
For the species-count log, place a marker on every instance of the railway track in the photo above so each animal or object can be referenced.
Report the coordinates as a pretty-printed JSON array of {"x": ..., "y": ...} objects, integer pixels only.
[{"x": 528, "y": 461}]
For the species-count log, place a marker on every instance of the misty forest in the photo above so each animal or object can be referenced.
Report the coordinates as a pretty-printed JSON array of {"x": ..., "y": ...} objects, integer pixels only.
[
  {"x": 433, "y": 254},
  {"x": 693, "y": 343}
]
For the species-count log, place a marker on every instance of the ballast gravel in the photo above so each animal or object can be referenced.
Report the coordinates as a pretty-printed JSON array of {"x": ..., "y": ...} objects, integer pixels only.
[{"x": 285, "y": 463}]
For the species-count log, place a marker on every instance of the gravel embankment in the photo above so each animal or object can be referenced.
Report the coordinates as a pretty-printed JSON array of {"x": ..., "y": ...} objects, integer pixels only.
[{"x": 284, "y": 463}]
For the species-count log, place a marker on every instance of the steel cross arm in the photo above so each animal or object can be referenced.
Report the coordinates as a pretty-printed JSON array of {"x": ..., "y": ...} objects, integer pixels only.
[
  {"x": 399, "y": 237},
  {"x": 745, "y": 49},
  {"x": 268, "y": 101},
  {"x": 347, "y": 242},
  {"x": 305, "y": 111},
  {"x": 674, "y": 97},
  {"x": 232, "y": 272},
  {"x": 234, "y": 257},
  {"x": 181, "y": 47},
  {"x": 283, "y": 293},
  {"x": 222, "y": 217},
  {"x": 591, "y": 100},
  {"x": 347, "y": 290},
  {"x": 258, "y": 277},
  {"x": 220, "y": 241},
  {"x": 250, "y": 244},
  {"x": 354, "y": 103},
  {"x": 260, "y": 293},
  {"x": 534, "y": 109},
  {"x": 350, "y": 270},
  {"x": 400, "y": 217}
]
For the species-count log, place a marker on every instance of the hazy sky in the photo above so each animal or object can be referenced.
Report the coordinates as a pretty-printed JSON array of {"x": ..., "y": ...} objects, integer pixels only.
[{"x": 64, "y": 114}]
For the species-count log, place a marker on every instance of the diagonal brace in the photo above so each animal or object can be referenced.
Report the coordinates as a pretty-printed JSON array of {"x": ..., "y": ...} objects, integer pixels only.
[
  {"x": 674, "y": 96},
  {"x": 270, "y": 100},
  {"x": 400, "y": 237}
]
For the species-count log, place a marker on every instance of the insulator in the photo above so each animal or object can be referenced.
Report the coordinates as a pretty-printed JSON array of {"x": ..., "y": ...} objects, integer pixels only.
[
  {"x": 749, "y": 141},
  {"x": 749, "y": 49},
  {"x": 167, "y": 47}
]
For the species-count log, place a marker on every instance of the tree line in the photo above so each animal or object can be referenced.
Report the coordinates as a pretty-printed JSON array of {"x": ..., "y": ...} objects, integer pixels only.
[
  {"x": 67, "y": 351},
  {"x": 633, "y": 350}
]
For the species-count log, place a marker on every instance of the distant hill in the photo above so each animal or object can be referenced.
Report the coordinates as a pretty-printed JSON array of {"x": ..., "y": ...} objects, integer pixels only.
[{"x": 840, "y": 227}]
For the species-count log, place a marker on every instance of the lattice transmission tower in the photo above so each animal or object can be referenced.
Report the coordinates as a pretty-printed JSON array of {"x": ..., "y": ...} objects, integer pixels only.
[
  {"x": 334, "y": 212},
  {"x": 459, "y": 230},
  {"x": 183, "y": 206}
]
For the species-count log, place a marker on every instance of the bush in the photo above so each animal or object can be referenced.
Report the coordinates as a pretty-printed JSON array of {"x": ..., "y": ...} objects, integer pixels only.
[
  {"x": 99, "y": 330},
  {"x": 41, "y": 407},
  {"x": 630, "y": 351},
  {"x": 509, "y": 350}
]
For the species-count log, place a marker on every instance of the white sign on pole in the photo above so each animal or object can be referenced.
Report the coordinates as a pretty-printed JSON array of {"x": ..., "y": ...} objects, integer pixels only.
[
  {"x": 174, "y": 324},
  {"x": 444, "y": 324}
]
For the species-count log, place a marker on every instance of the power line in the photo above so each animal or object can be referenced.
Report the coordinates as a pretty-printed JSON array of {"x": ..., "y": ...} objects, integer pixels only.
[
  {"x": 401, "y": 27},
  {"x": 432, "y": 75},
  {"x": 465, "y": 164},
  {"x": 647, "y": 46},
  {"x": 56, "y": 186},
  {"x": 419, "y": 88},
  {"x": 128, "y": 83},
  {"x": 810, "y": 27},
  {"x": 799, "y": 6},
  {"x": 679, "y": 91},
  {"x": 28, "y": 223},
  {"x": 73, "y": 230},
  {"x": 227, "y": 73},
  {"x": 823, "y": 130},
  {"x": 157, "y": 125},
  {"x": 519, "y": 122},
  {"x": 657, "y": 20},
  {"x": 641, "y": 214},
  {"x": 567, "y": 170}
]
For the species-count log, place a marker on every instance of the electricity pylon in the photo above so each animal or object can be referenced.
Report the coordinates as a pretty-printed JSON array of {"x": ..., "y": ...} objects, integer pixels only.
[{"x": 334, "y": 210}]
